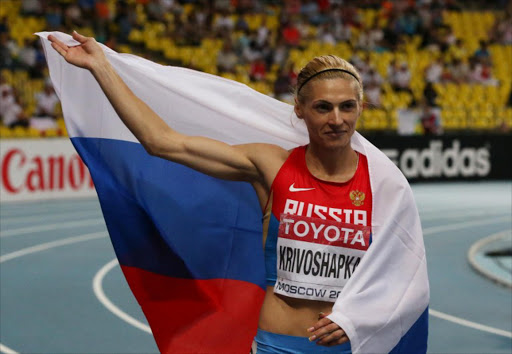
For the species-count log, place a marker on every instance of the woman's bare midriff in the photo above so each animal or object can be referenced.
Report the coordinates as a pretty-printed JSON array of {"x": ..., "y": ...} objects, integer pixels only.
[{"x": 286, "y": 315}]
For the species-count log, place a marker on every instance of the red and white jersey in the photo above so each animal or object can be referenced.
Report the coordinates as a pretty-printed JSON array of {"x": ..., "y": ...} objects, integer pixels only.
[{"x": 317, "y": 231}]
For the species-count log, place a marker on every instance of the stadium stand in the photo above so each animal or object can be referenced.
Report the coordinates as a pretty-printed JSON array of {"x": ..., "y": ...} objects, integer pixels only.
[{"x": 454, "y": 55}]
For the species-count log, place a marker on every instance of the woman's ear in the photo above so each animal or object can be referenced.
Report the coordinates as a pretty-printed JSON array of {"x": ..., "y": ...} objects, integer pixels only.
[{"x": 297, "y": 109}]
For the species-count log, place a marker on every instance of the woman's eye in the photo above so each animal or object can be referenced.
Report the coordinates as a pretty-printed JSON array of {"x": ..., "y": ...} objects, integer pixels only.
[
  {"x": 348, "y": 106},
  {"x": 323, "y": 107}
]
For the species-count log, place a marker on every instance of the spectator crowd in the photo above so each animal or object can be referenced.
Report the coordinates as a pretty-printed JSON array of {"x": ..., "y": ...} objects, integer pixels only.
[{"x": 263, "y": 50}]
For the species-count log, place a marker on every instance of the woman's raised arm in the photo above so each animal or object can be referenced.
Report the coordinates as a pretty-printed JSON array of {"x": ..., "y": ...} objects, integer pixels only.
[{"x": 212, "y": 157}]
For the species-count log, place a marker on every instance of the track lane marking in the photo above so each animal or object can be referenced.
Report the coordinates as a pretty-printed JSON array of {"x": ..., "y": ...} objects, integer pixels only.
[
  {"x": 36, "y": 218},
  {"x": 447, "y": 215},
  {"x": 5, "y": 349},
  {"x": 49, "y": 227},
  {"x": 97, "y": 286},
  {"x": 461, "y": 225},
  {"x": 98, "y": 290},
  {"x": 470, "y": 324},
  {"x": 43, "y": 247},
  {"x": 473, "y": 250}
]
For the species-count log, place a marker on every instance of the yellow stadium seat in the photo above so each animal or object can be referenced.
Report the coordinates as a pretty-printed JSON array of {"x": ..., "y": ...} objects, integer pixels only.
[{"x": 5, "y": 132}]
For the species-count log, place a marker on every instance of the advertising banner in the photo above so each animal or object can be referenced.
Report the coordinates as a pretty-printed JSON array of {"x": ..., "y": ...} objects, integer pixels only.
[
  {"x": 449, "y": 157},
  {"x": 35, "y": 169}
]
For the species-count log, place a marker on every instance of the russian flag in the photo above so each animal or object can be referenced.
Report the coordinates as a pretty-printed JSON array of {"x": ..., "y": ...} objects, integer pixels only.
[{"x": 190, "y": 245}]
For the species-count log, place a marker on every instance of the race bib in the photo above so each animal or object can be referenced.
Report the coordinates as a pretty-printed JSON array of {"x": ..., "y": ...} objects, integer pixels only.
[{"x": 316, "y": 257}]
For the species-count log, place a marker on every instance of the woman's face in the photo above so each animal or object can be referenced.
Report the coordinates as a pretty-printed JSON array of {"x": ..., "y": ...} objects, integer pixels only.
[{"x": 330, "y": 112}]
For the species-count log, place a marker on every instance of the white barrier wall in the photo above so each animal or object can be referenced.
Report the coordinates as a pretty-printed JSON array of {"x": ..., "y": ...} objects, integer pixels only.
[{"x": 35, "y": 169}]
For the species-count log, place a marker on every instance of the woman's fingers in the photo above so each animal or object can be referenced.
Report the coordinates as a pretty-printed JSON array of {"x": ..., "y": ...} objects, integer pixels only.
[
  {"x": 61, "y": 50},
  {"x": 78, "y": 37},
  {"x": 334, "y": 338},
  {"x": 324, "y": 329},
  {"x": 57, "y": 43}
]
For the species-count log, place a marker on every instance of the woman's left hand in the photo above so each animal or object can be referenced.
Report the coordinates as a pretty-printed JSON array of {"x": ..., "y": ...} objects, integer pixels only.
[{"x": 327, "y": 333}]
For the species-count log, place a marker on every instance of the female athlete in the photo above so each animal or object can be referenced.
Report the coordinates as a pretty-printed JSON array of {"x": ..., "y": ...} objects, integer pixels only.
[{"x": 317, "y": 199}]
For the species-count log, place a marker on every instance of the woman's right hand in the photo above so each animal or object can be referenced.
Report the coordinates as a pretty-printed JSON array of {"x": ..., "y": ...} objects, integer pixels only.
[{"x": 87, "y": 55}]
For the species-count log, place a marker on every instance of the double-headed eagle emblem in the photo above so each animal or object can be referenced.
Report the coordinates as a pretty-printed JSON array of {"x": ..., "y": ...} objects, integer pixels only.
[{"x": 357, "y": 198}]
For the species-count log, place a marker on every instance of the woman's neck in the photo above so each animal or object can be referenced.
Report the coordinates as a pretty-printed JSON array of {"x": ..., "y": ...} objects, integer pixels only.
[{"x": 332, "y": 165}]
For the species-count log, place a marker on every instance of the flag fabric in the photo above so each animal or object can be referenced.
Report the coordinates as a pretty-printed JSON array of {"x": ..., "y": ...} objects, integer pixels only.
[{"x": 190, "y": 245}]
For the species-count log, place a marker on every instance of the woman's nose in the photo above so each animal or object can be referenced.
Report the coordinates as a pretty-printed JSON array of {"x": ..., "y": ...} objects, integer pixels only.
[{"x": 336, "y": 117}]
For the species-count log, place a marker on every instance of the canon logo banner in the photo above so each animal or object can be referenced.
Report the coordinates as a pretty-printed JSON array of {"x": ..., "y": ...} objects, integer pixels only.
[{"x": 42, "y": 169}]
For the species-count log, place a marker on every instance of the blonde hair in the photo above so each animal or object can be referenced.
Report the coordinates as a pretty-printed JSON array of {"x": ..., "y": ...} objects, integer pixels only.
[{"x": 327, "y": 67}]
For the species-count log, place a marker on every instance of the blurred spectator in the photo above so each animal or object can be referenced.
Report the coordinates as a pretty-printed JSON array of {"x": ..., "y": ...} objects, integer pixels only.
[
  {"x": 11, "y": 109},
  {"x": 371, "y": 76},
  {"x": 482, "y": 53},
  {"x": 227, "y": 58},
  {"x": 263, "y": 32},
  {"x": 326, "y": 35},
  {"x": 101, "y": 20},
  {"x": 28, "y": 56},
  {"x": 501, "y": 32},
  {"x": 342, "y": 31},
  {"x": 280, "y": 53},
  {"x": 430, "y": 95},
  {"x": 300, "y": 22},
  {"x": 87, "y": 7},
  {"x": 241, "y": 24},
  {"x": 258, "y": 69},
  {"x": 53, "y": 16},
  {"x": 309, "y": 9},
  {"x": 46, "y": 102},
  {"x": 408, "y": 22},
  {"x": 6, "y": 95},
  {"x": 291, "y": 34},
  {"x": 283, "y": 85},
  {"x": 124, "y": 19},
  {"x": 193, "y": 30},
  {"x": 372, "y": 93},
  {"x": 401, "y": 78},
  {"x": 223, "y": 23},
  {"x": 425, "y": 16},
  {"x": 73, "y": 16},
  {"x": 32, "y": 7},
  {"x": 434, "y": 71},
  {"x": 481, "y": 73},
  {"x": 429, "y": 121},
  {"x": 458, "y": 51},
  {"x": 459, "y": 71},
  {"x": 8, "y": 51},
  {"x": 251, "y": 52},
  {"x": 4, "y": 26},
  {"x": 155, "y": 10},
  {"x": 376, "y": 36}
]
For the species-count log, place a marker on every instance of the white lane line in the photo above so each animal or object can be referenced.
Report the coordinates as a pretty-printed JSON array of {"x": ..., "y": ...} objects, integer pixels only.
[
  {"x": 5, "y": 349},
  {"x": 482, "y": 270},
  {"x": 52, "y": 244},
  {"x": 454, "y": 319},
  {"x": 440, "y": 210},
  {"x": 45, "y": 209},
  {"x": 43, "y": 247},
  {"x": 49, "y": 227},
  {"x": 462, "y": 225},
  {"x": 97, "y": 286},
  {"x": 470, "y": 324},
  {"x": 462, "y": 214},
  {"x": 46, "y": 217}
]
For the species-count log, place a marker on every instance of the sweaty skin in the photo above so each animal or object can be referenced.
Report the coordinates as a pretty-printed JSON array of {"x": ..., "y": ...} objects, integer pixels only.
[{"x": 330, "y": 114}]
